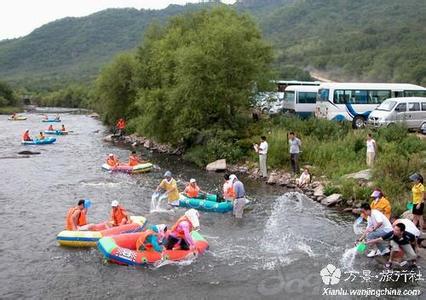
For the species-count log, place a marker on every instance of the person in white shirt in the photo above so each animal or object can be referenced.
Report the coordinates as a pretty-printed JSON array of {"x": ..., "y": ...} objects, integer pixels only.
[
  {"x": 304, "y": 179},
  {"x": 371, "y": 150},
  {"x": 378, "y": 226},
  {"x": 262, "y": 150}
]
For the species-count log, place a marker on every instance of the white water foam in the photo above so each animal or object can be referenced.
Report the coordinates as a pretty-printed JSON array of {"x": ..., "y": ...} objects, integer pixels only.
[
  {"x": 158, "y": 203},
  {"x": 348, "y": 258}
]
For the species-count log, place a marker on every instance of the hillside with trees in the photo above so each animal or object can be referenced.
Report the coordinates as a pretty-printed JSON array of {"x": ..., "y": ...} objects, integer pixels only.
[{"x": 364, "y": 40}]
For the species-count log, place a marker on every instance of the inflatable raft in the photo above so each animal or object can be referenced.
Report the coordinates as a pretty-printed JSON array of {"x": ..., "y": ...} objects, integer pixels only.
[
  {"x": 141, "y": 168},
  {"x": 90, "y": 238},
  {"x": 121, "y": 249},
  {"x": 209, "y": 203},
  {"x": 17, "y": 118},
  {"x": 56, "y": 132},
  {"x": 48, "y": 140},
  {"x": 51, "y": 120}
]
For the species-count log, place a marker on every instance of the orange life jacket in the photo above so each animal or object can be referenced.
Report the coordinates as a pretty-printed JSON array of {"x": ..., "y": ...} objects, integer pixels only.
[
  {"x": 117, "y": 215},
  {"x": 26, "y": 136},
  {"x": 63, "y": 129},
  {"x": 121, "y": 124},
  {"x": 82, "y": 220},
  {"x": 112, "y": 162},
  {"x": 142, "y": 238},
  {"x": 133, "y": 160},
  {"x": 191, "y": 191},
  {"x": 178, "y": 232},
  {"x": 50, "y": 128},
  {"x": 229, "y": 192}
]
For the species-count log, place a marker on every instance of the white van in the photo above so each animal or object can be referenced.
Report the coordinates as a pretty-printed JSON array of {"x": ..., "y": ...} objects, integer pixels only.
[
  {"x": 300, "y": 100},
  {"x": 408, "y": 110}
]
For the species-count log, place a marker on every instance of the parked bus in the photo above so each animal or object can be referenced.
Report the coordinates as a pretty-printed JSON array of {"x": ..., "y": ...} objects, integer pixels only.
[
  {"x": 300, "y": 100},
  {"x": 355, "y": 101},
  {"x": 283, "y": 84}
]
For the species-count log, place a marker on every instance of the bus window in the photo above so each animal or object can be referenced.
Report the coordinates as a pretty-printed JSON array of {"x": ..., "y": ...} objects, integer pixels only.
[
  {"x": 289, "y": 97},
  {"x": 377, "y": 97},
  {"x": 307, "y": 97},
  {"x": 414, "y": 93},
  {"x": 424, "y": 106},
  {"x": 360, "y": 97},
  {"x": 339, "y": 97},
  {"x": 323, "y": 94}
]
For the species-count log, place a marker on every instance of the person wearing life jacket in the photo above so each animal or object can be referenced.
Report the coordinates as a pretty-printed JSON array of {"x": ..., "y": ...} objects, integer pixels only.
[
  {"x": 170, "y": 186},
  {"x": 41, "y": 136},
  {"x": 228, "y": 189},
  {"x": 112, "y": 160},
  {"x": 381, "y": 203},
  {"x": 118, "y": 215},
  {"x": 120, "y": 126},
  {"x": 152, "y": 238},
  {"x": 13, "y": 115},
  {"x": 134, "y": 159},
  {"x": 50, "y": 128},
  {"x": 63, "y": 128},
  {"x": 180, "y": 233},
  {"x": 76, "y": 218},
  {"x": 192, "y": 190},
  {"x": 26, "y": 136}
]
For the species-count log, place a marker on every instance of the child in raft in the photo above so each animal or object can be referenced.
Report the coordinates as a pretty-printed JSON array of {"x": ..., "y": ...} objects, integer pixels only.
[{"x": 152, "y": 239}]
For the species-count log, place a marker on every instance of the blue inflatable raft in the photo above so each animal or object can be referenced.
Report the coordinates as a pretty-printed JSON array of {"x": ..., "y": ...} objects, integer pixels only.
[
  {"x": 48, "y": 140},
  {"x": 51, "y": 120},
  {"x": 56, "y": 132},
  {"x": 209, "y": 203}
]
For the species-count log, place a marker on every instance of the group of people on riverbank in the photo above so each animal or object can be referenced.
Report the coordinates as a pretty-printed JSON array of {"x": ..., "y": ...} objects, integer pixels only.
[{"x": 402, "y": 233}]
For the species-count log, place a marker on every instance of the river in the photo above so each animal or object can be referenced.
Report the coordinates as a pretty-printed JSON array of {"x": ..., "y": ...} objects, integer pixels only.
[{"x": 276, "y": 252}]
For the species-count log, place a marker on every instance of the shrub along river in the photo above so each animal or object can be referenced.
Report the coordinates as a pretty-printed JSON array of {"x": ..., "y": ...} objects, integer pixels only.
[{"x": 277, "y": 251}]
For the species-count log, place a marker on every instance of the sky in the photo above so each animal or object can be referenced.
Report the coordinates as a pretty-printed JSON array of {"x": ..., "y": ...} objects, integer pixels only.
[{"x": 20, "y": 17}]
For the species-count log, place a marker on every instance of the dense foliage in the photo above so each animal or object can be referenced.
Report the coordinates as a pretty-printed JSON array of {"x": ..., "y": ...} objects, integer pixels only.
[{"x": 190, "y": 80}]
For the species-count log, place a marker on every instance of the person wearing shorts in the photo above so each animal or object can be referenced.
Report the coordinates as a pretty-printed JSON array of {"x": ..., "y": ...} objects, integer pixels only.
[
  {"x": 418, "y": 191},
  {"x": 240, "y": 197}
]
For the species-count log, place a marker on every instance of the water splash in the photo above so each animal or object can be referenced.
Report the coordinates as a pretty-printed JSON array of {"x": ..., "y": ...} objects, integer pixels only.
[
  {"x": 158, "y": 203},
  {"x": 348, "y": 258}
]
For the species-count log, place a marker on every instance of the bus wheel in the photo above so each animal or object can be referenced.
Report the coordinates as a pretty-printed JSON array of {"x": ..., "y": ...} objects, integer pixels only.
[{"x": 358, "y": 122}]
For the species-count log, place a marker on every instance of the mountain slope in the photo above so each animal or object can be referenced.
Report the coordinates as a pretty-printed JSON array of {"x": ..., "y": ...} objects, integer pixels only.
[{"x": 370, "y": 40}]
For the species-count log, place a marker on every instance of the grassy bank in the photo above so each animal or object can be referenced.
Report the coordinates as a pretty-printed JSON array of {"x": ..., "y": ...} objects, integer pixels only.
[
  {"x": 8, "y": 110},
  {"x": 333, "y": 150}
]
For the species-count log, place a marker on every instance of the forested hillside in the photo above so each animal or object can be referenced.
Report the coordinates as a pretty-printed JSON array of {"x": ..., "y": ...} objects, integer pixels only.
[{"x": 363, "y": 40}]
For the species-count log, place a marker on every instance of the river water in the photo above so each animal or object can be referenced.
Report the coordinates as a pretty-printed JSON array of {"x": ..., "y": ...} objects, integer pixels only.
[{"x": 276, "y": 252}]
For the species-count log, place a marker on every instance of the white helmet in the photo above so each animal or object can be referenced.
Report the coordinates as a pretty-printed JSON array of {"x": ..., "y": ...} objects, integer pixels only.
[{"x": 114, "y": 203}]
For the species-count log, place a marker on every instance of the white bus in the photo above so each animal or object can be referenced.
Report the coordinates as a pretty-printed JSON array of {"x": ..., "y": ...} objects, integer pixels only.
[
  {"x": 300, "y": 100},
  {"x": 355, "y": 101}
]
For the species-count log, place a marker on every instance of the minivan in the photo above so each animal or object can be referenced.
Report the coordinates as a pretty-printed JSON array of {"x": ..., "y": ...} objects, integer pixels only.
[{"x": 408, "y": 110}]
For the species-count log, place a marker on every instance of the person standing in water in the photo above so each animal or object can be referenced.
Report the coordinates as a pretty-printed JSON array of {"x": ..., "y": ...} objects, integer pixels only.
[
  {"x": 240, "y": 197},
  {"x": 170, "y": 186}
]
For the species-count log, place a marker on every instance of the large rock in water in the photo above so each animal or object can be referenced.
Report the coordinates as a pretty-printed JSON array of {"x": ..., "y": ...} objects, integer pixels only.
[
  {"x": 319, "y": 191},
  {"x": 216, "y": 166},
  {"x": 332, "y": 200}
]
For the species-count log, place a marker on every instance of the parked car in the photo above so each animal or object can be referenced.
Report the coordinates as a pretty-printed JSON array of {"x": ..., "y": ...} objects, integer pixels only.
[{"x": 408, "y": 110}]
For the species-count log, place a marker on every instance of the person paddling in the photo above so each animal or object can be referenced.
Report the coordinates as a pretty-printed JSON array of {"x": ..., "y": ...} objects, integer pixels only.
[
  {"x": 192, "y": 190},
  {"x": 63, "y": 128},
  {"x": 41, "y": 136},
  {"x": 50, "y": 128}
]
